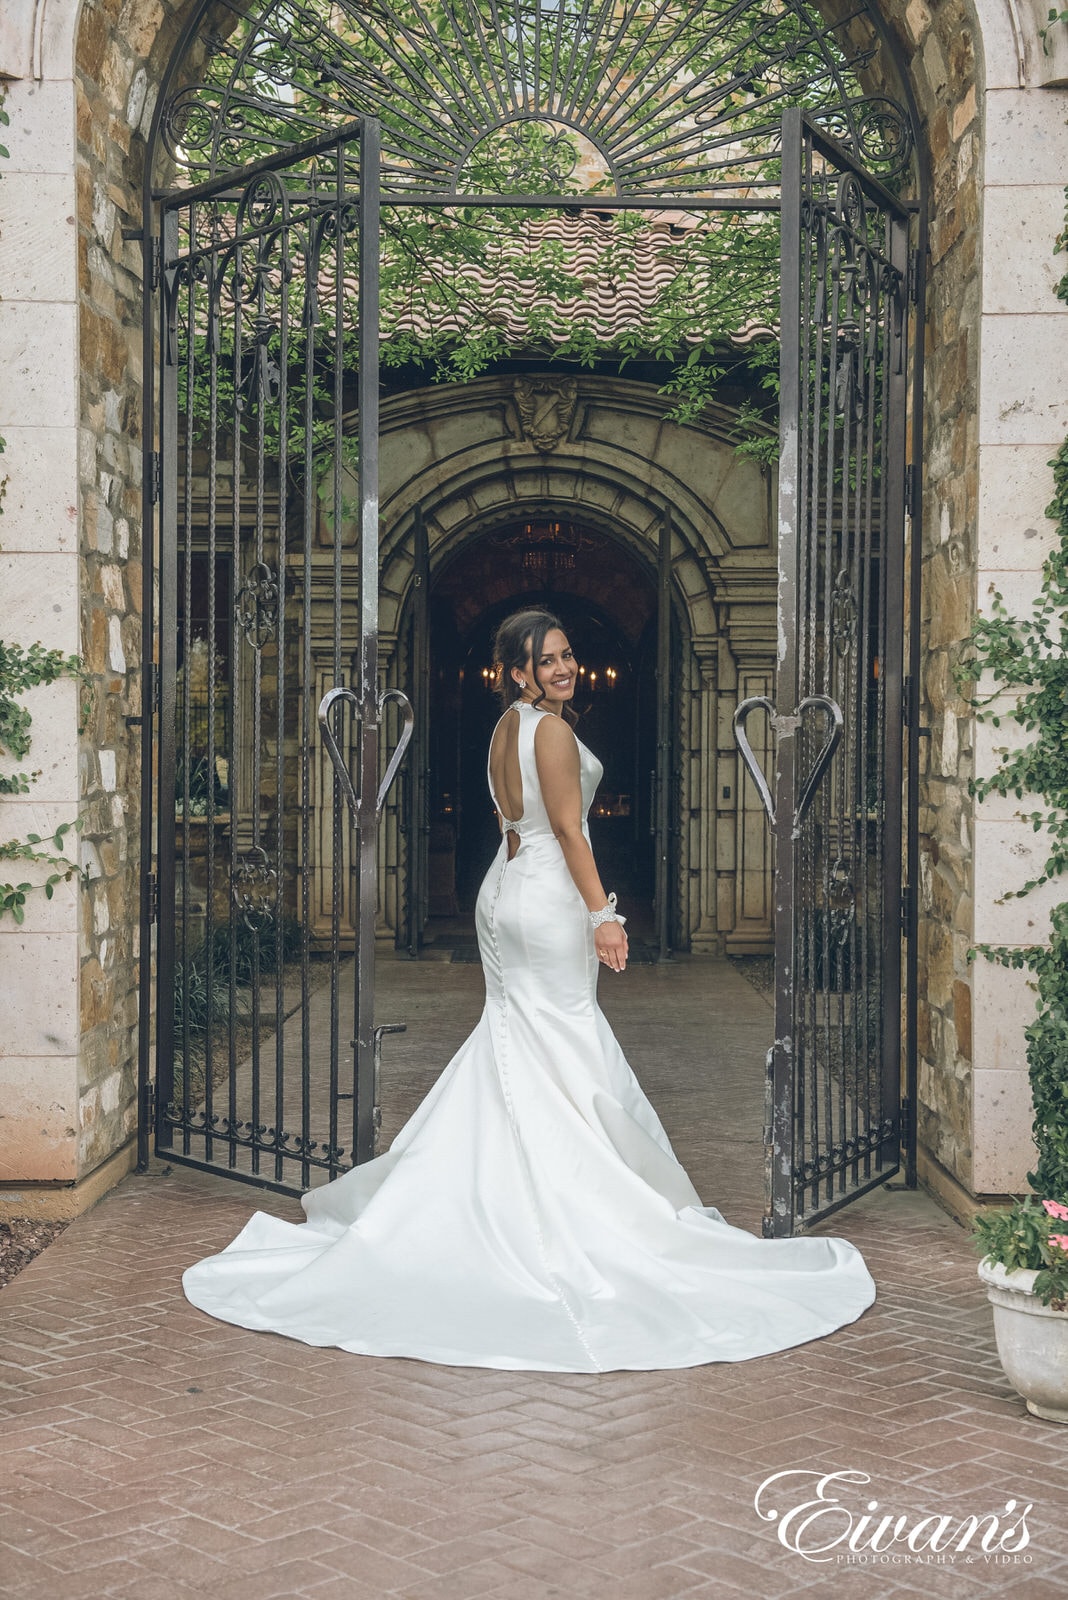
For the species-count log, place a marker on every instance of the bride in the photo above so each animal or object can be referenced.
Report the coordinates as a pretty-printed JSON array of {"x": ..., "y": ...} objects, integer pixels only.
[{"x": 531, "y": 1214}]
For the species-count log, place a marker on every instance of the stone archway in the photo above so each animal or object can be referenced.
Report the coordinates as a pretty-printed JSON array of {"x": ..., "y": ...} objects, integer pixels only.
[
  {"x": 84, "y": 81},
  {"x": 460, "y": 458}
]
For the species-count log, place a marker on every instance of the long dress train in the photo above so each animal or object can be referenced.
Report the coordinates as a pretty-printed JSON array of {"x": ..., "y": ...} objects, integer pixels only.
[{"x": 531, "y": 1214}]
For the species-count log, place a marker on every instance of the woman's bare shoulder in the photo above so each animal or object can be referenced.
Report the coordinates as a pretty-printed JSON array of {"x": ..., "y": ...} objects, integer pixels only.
[{"x": 554, "y": 736}]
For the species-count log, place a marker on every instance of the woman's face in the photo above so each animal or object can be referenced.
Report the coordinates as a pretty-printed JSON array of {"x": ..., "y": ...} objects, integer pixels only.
[{"x": 555, "y": 671}]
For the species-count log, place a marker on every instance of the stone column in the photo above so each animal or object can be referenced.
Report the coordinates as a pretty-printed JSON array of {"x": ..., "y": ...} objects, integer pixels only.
[
  {"x": 41, "y": 1134},
  {"x": 1023, "y": 421}
]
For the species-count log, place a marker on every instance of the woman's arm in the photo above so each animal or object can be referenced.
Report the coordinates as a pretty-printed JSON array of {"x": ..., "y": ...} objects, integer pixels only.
[{"x": 557, "y": 757}]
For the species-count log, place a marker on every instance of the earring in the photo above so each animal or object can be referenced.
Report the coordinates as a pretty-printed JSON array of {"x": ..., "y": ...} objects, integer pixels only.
[{"x": 522, "y": 683}]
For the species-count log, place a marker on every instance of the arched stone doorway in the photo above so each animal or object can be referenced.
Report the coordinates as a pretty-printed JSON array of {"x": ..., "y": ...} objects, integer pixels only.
[
  {"x": 607, "y": 604},
  {"x": 579, "y": 527}
]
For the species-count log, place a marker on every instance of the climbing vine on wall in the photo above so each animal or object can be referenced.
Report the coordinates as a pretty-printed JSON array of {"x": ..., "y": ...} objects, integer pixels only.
[{"x": 1029, "y": 656}]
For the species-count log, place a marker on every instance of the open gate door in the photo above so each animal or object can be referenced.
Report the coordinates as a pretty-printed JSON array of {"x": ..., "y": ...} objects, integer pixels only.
[
  {"x": 268, "y": 792},
  {"x": 833, "y": 1126}
]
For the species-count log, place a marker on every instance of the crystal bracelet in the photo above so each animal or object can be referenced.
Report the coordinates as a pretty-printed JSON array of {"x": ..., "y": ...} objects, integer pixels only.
[{"x": 607, "y": 913}]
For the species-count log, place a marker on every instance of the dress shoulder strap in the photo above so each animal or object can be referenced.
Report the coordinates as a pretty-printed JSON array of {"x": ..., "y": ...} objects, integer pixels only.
[{"x": 529, "y": 718}]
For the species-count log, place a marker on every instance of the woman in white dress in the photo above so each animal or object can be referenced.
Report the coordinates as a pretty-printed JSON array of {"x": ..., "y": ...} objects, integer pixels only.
[{"x": 531, "y": 1214}]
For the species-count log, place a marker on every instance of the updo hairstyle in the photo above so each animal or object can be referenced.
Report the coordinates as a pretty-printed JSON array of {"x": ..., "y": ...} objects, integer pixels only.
[{"x": 519, "y": 638}]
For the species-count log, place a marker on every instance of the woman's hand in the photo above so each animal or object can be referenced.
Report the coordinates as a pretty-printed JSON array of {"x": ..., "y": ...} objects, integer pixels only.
[{"x": 610, "y": 942}]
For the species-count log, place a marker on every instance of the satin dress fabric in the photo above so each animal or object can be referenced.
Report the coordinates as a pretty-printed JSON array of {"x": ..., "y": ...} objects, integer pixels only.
[{"x": 531, "y": 1214}]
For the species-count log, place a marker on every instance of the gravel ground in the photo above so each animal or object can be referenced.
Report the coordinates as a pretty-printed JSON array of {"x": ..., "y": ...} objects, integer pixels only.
[
  {"x": 21, "y": 1240},
  {"x": 760, "y": 971}
]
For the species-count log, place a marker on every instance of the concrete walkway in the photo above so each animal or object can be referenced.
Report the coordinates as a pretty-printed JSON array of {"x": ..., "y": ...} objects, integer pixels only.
[{"x": 150, "y": 1453}]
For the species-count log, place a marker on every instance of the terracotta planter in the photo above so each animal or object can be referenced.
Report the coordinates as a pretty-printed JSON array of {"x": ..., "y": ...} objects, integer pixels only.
[{"x": 1032, "y": 1340}]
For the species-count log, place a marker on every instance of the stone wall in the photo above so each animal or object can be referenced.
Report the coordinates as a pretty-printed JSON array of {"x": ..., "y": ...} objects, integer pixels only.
[
  {"x": 943, "y": 40},
  {"x": 110, "y": 131}
]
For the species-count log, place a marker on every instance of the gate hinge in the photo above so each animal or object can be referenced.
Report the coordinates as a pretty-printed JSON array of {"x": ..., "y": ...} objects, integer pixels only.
[
  {"x": 907, "y": 712},
  {"x": 151, "y": 897},
  {"x": 152, "y": 682},
  {"x": 905, "y": 1121},
  {"x": 148, "y": 1105},
  {"x": 906, "y": 908},
  {"x": 914, "y": 277},
  {"x": 155, "y": 476},
  {"x": 155, "y": 263},
  {"x": 913, "y": 481}
]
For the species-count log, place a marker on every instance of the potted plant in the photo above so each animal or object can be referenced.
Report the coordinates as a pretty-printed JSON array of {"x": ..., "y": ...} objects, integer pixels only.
[
  {"x": 1025, "y": 1248},
  {"x": 1025, "y": 1269}
]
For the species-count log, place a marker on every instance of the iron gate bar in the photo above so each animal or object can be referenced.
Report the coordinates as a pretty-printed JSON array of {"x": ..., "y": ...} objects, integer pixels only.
[
  {"x": 232, "y": 185},
  {"x": 565, "y": 202},
  {"x": 363, "y": 1136},
  {"x": 912, "y": 703},
  {"x": 662, "y": 780},
  {"x": 415, "y": 812},
  {"x": 402, "y": 200}
]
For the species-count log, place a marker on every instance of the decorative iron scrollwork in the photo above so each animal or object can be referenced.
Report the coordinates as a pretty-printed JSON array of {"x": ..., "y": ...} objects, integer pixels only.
[
  {"x": 678, "y": 100},
  {"x": 789, "y": 725},
  {"x": 262, "y": 376},
  {"x": 524, "y": 157},
  {"x": 253, "y": 888},
  {"x": 844, "y": 613},
  {"x": 841, "y": 900},
  {"x": 840, "y": 1156},
  {"x": 256, "y": 610}
]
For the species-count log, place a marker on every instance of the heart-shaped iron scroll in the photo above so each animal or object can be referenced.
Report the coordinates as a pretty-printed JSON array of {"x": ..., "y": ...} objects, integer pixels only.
[
  {"x": 333, "y": 750},
  {"x": 756, "y": 771},
  {"x": 779, "y": 726}
]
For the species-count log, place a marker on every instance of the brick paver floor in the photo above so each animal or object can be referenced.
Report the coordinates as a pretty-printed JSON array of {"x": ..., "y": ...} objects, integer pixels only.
[{"x": 151, "y": 1453}]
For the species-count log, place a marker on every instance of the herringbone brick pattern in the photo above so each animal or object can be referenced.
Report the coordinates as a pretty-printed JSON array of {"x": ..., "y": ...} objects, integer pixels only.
[{"x": 151, "y": 1453}]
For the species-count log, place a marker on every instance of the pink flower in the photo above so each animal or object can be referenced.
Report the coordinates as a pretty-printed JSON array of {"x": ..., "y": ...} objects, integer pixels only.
[
  {"x": 1055, "y": 1209},
  {"x": 1060, "y": 1240}
]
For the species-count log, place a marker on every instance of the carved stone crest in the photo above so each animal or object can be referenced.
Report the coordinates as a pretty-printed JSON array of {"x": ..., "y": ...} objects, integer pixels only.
[{"x": 546, "y": 407}]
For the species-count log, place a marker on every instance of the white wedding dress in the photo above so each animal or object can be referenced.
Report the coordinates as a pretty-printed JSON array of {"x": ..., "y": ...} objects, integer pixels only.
[{"x": 531, "y": 1214}]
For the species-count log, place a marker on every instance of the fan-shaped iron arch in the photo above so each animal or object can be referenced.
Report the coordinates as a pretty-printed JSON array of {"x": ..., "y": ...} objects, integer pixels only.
[{"x": 632, "y": 99}]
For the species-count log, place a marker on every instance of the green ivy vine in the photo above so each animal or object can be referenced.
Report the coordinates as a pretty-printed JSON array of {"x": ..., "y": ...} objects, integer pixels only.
[{"x": 1029, "y": 656}]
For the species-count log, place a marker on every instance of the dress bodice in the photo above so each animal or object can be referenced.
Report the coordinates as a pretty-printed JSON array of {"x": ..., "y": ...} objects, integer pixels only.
[{"x": 535, "y": 819}]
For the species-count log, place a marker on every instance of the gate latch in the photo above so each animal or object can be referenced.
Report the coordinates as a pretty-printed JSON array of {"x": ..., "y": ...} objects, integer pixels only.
[{"x": 383, "y": 1027}]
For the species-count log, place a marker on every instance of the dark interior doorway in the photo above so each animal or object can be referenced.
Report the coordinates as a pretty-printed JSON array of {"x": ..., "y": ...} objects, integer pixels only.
[{"x": 605, "y": 597}]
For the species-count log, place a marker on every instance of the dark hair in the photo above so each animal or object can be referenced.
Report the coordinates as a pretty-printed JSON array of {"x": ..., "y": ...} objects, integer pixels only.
[{"x": 519, "y": 638}]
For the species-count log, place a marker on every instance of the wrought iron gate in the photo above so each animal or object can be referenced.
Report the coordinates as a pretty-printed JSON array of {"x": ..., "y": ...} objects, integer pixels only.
[
  {"x": 834, "y": 1123},
  {"x": 268, "y": 630}
]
